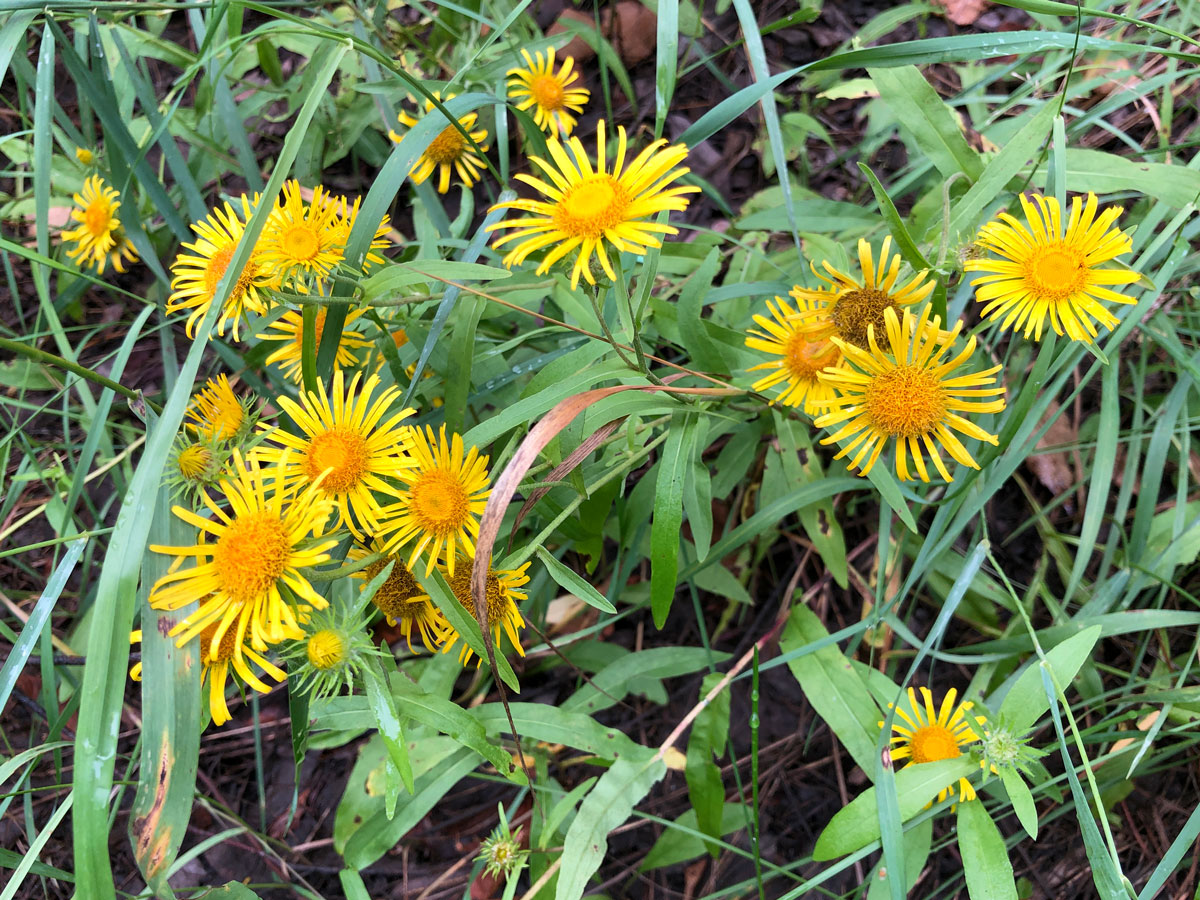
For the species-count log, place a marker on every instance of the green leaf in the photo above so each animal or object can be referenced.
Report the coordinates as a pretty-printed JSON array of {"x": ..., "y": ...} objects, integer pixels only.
[
  {"x": 988, "y": 872},
  {"x": 1026, "y": 700},
  {"x": 386, "y": 284},
  {"x": 1022, "y": 800},
  {"x": 904, "y": 241},
  {"x": 709, "y": 734},
  {"x": 606, "y": 807},
  {"x": 615, "y": 679},
  {"x": 673, "y": 466},
  {"x": 929, "y": 122},
  {"x": 857, "y": 824},
  {"x": 1004, "y": 166},
  {"x": 704, "y": 352},
  {"x": 387, "y": 720},
  {"x": 675, "y": 845},
  {"x": 1107, "y": 173},
  {"x": 570, "y": 580},
  {"x": 833, "y": 688},
  {"x": 464, "y": 623},
  {"x": 171, "y": 719},
  {"x": 917, "y": 842}
]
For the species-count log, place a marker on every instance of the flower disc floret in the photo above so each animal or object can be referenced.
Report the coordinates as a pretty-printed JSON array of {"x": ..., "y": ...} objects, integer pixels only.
[
  {"x": 325, "y": 649},
  {"x": 1044, "y": 272},
  {"x": 302, "y": 242},
  {"x": 288, "y": 329},
  {"x": 798, "y": 361},
  {"x": 847, "y": 307},
  {"x": 502, "y": 594},
  {"x": 924, "y": 734},
  {"x": 548, "y": 94},
  {"x": 248, "y": 575},
  {"x": 439, "y": 507},
  {"x": 348, "y": 443},
  {"x": 402, "y": 600},
  {"x": 98, "y": 237},
  {"x": 196, "y": 275},
  {"x": 448, "y": 153},
  {"x": 904, "y": 393},
  {"x": 588, "y": 208}
]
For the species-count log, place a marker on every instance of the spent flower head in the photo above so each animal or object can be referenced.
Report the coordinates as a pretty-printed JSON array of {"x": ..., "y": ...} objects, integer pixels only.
[{"x": 502, "y": 853}]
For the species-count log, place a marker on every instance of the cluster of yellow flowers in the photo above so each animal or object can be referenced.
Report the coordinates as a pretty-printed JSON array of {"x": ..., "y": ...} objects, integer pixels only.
[
  {"x": 353, "y": 464},
  {"x": 859, "y": 357}
]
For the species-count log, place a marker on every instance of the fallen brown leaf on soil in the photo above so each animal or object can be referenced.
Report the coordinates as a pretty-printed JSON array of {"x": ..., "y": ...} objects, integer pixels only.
[
  {"x": 1054, "y": 470},
  {"x": 635, "y": 34},
  {"x": 964, "y": 12}
]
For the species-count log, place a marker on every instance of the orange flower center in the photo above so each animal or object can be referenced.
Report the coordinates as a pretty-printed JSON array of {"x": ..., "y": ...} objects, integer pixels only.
[
  {"x": 215, "y": 270},
  {"x": 344, "y": 452},
  {"x": 803, "y": 358},
  {"x": 854, "y": 310},
  {"x": 447, "y": 146},
  {"x": 495, "y": 595},
  {"x": 933, "y": 742},
  {"x": 395, "y": 596},
  {"x": 1056, "y": 272},
  {"x": 591, "y": 207},
  {"x": 439, "y": 502},
  {"x": 97, "y": 218},
  {"x": 547, "y": 91},
  {"x": 326, "y": 649},
  {"x": 251, "y": 555},
  {"x": 224, "y": 651},
  {"x": 301, "y": 244},
  {"x": 906, "y": 402}
]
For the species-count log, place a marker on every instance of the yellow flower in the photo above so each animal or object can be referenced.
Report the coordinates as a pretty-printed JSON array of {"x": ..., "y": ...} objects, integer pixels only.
[
  {"x": 549, "y": 93},
  {"x": 503, "y": 594},
  {"x": 347, "y": 215},
  {"x": 800, "y": 359},
  {"x": 402, "y": 601},
  {"x": 449, "y": 152},
  {"x": 195, "y": 275},
  {"x": 302, "y": 243},
  {"x": 904, "y": 393},
  {"x": 84, "y": 155},
  {"x": 259, "y": 549},
  {"x": 848, "y": 306},
  {"x": 1044, "y": 272},
  {"x": 345, "y": 444},
  {"x": 99, "y": 238},
  {"x": 325, "y": 649},
  {"x": 586, "y": 208},
  {"x": 289, "y": 328},
  {"x": 932, "y": 735},
  {"x": 445, "y": 494},
  {"x": 215, "y": 662},
  {"x": 216, "y": 413}
]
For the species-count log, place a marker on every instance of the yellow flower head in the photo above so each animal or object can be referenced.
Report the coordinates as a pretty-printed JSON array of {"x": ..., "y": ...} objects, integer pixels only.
[
  {"x": 343, "y": 224},
  {"x": 439, "y": 507},
  {"x": 1044, "y": 272},
  {"x": 449, "y": 152},
  {"x": 800, "y": 359},
  {"x": 848, "y": 306},
  {"x": 502, "y": 596},
  {"x": 289, "y": 328},
  {"x": 217, "y": 413},
  {"x": 99, "y": 238},
  {"x": 904, "y": 392},
  {"x": 84, "y": 155},
  {"x": 549, "y": 93},
  {"x": 259, "y": 547},
  {"x": 927, "y": 735},
  {"x": 402, "y": 600},
  {"x": 302, "y": 242},
  {"x": 216, "y": 662},
  {"x": 195, "y": 275},
  {"x": 588, "y": 207},
  {"x": 345, "y": 444},
  {"x": 325, "y": 649}
]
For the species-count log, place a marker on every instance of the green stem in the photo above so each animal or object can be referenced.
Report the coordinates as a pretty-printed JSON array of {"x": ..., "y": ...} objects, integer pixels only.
[
  {"x": 49, "y": 359},
  {"x": 597, "y": 307}
]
